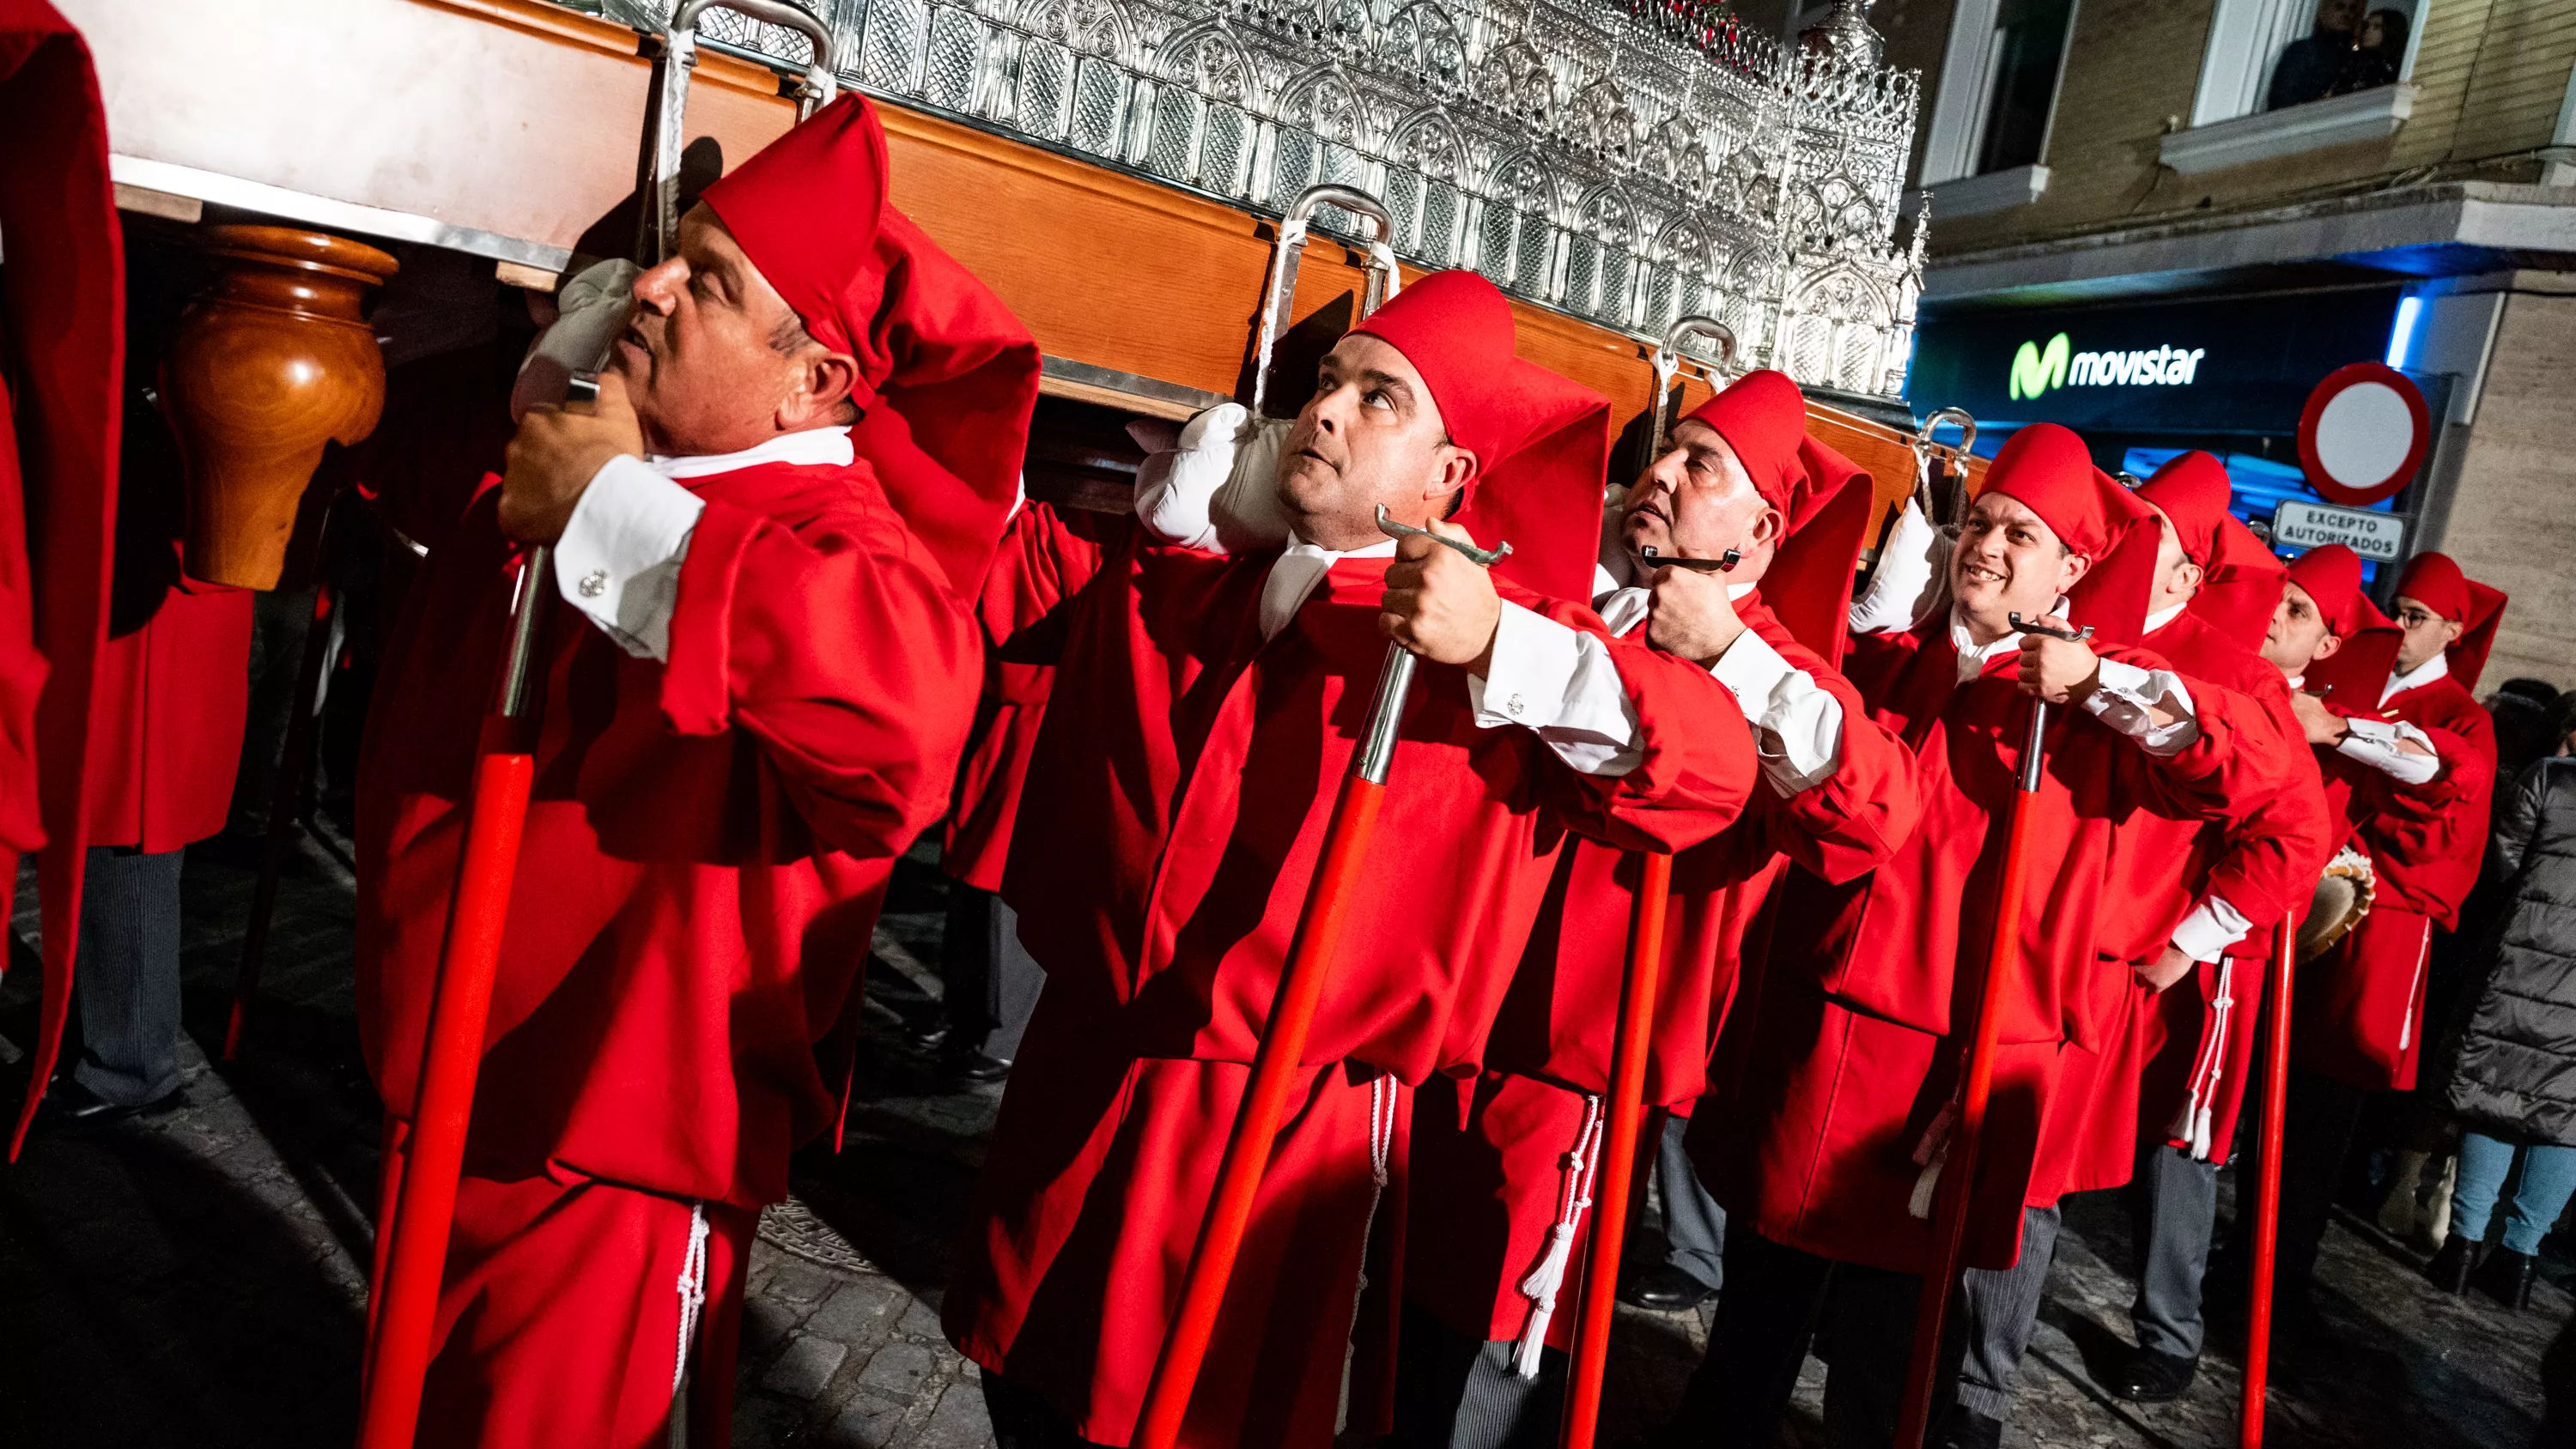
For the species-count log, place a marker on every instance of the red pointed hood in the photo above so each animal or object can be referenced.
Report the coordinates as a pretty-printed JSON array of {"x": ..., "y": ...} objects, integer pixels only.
[
  {"x": 2355, "y": 674},
  {"x": 1823, "y": 497},
  {"x": 2240, "y": 580},
  {"x": 947, "y": 376},
  {"x": 2047, "y": 469},
  {"x": 1542, "y": 444},
  {"x": 2435, "y": 581}
]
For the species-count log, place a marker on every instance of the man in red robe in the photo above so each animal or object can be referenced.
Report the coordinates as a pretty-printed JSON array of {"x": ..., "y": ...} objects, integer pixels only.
[
  {"x": 2418, "y": 755},
  {"x": 1203, "y": 714},
  {"x": 1851, "y": 1052},
  {"x": 768, "y": 533},
  {"x": 1502, "y": 1164},
  {"x": 2200, "y": 902}
]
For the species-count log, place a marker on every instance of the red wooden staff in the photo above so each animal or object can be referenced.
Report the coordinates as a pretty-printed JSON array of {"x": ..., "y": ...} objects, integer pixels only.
[
  {"x": 1976, "y": 1082},
  {"x": 2267, "y": 1200},
  {"x": 1628, "y": 1051},
  {"x": 1336, "y": 884}
]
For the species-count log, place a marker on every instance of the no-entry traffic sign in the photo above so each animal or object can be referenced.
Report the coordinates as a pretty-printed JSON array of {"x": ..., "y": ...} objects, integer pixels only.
[{"x": 2363, "y": 434}]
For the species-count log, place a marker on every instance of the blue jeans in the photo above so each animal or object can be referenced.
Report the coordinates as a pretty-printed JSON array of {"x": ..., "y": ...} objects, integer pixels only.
[{"x": 2548, "y": 1179}]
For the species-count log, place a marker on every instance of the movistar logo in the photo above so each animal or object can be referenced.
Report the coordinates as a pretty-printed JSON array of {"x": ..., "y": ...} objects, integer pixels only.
[
  {"x": 2036, "y": 369},
  {"x": 2035, "y": 372}
]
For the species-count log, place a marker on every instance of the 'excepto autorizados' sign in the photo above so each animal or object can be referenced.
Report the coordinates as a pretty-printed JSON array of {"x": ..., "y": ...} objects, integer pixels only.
[
  {"x": 2036, "y": 369},
  {"x": 2380, "y": 537}
]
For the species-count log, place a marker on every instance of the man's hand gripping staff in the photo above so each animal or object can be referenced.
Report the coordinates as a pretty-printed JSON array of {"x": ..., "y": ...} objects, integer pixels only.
[
  {"x": 1437, "y": 606},
  {"x": 2057, "y": 665}
]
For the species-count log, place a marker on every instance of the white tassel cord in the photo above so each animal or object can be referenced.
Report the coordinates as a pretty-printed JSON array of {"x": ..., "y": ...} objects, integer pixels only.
[
  {"x": 1582, "y": 1167},
  {"x": 1382, "y": 1105},
  {"x": 1930, "y": 1154},
  {"x": 693, "y": 1292}
]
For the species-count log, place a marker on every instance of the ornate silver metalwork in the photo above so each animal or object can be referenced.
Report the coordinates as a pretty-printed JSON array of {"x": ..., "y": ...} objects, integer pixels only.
[{"x": 1580, "y": 156}]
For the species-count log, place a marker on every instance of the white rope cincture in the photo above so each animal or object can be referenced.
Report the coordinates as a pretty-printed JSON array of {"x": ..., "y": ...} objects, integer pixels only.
[
  {"x": 2191, "y": 1125},
  {"x": 1382, "y": 1105},
  {"x": 1582, "y": 1169},
  {"x": 1930, "y": 1154},
  {"x": 693, "y": 1292}
]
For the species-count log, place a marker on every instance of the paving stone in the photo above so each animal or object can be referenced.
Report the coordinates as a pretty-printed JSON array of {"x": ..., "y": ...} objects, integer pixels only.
[
  {"x": 761, "y": 1422},
  {"x": 865, "y": 1422},
  {"x": 798, "y": 1283},
  {"x": 919, "y": 1320},
  {"x": 960, "y": 1421},
  {"x": 860, "y": 1310},
  {"x": 806, "y": 1366},
  {"x": 898, "y": 1370},
  {"x": 765, "y": 1323}
]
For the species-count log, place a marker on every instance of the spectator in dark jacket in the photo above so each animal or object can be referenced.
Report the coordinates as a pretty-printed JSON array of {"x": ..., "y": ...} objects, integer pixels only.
[
  {"x": 2513, "y": 1073},
  {"x": 2309, "y": 66},
  {"x": 2377, "y": 57}
]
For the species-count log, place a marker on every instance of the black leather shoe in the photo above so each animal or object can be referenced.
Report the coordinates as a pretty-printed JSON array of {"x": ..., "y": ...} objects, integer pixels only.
[
  {"x": 2154, "y": 1378},
  {"x": 1968, "y": 1429},
  {"x": 71, "y": 1107},
  {"x": 2453, "y": 1263},
  {"x": 1666, "y": 1289},
  {"x": 2505, "y": 1276},
  {"x": 972, "y": 1065}
]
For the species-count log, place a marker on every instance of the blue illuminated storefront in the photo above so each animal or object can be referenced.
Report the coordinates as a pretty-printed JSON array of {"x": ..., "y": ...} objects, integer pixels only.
[{"x": 2143, "y": 381}]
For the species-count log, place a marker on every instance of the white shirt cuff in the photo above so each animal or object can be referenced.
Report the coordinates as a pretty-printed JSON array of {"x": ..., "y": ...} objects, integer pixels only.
[
  {"x": 2210, "y": 929},
  {"x": 619, "y": 558},
  {"x": 2124, "y": 699},
  {"x": 2373, "y": 742},
  {"x": 1797, "y": 727},
  {"x": 1561, "y": 683},
  {"x": 1906, "y": 585}
]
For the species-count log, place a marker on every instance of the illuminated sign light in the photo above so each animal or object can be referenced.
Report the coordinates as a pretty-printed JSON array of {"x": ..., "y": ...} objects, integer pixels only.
[{"x": 2036, "y": 369}]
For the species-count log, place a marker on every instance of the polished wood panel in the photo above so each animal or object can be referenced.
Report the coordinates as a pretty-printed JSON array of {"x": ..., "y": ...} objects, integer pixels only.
[{"x": 272, "y": 361}]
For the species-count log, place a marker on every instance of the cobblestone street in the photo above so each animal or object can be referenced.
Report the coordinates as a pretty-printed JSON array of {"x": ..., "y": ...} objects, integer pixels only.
[{"x": 200, "y": 1278}]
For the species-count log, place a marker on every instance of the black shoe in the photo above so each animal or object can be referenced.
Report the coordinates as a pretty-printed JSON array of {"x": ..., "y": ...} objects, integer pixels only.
[
  {"x": 2154, "y": 1378},
  {"x": 71, "y": 1107},
  {"x": 1968, "y": 1429},
  {"x": 1666, "y": 1289},
  {"x": 2505, "y": 1276},
  {"x": 971, "y": 1065},
  {"x": 2453, "y": 1263}
]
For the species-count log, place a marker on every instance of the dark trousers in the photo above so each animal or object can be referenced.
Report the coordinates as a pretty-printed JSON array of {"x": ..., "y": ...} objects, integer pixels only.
[
  {"x": 990, "y": 981},
  {"x": 1778, "y": 1303},
  {"x": 2317, "y": 1122},
  {"x": 2173, "y": 1206},
  {"x": 1457, "y": 1392},
  {"x": 126, "y": 980},
  {"x": 1694, "y": 1225}
]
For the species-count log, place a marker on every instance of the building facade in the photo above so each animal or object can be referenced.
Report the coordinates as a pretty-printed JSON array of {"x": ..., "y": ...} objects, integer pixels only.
[{"x": 2271, "y": 189}]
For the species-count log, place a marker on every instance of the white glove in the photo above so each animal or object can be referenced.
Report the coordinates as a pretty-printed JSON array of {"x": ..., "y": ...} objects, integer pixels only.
[
  {"x": 1912, "y": 580},
  {"x": 1217, "y": 488},
  {"x": 595, "y": 304}
]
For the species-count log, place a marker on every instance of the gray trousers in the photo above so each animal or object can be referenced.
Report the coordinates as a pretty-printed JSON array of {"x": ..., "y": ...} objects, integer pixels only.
[
  {"x": 989, "y": 981},
  {"x": 2175, "y": 1208},
  {"x": 1457, "y": 1392},
  {"x": 1694, "y": 1225},
  {"x": 126, "y": 979},
  {"x": 1999, "y": 1309}
]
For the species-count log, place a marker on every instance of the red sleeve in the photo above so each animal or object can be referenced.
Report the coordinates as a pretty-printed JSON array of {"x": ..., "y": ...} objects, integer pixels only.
[
  {"x": 1698, "y": 769},
  {"x": 1046, "y": 557},
  {"x": 837, "y": 646},
  {"x": 1849, "y": 823}
]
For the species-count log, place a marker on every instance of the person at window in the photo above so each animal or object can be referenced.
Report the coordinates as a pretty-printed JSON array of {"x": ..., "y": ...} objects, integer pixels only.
[
  {"x": 2309, "y": 67},
  {"x": 2374, "y": 61}
]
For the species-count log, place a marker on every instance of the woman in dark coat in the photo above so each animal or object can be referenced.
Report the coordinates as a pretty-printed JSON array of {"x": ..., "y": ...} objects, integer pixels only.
[{"x": 2513, "y": 1074}]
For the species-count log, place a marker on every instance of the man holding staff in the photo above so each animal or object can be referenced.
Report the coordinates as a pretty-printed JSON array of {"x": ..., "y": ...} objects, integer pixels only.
[
  {"x": 771, "y": 525},
  {"x": 1205, "y": 708},
  {"x": 1831, "y": 1163},
  {"x": 1500, "y": 1197}
]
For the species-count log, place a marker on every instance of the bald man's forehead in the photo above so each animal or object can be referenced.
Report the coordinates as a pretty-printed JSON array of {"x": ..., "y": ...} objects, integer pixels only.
[{"x": 1359, "y": 354}]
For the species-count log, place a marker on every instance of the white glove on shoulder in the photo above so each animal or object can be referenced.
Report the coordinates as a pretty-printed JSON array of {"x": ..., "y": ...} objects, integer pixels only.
[
  {"x": 594, "y": 305},
  {"x": 1912, "y": 580},
  {"x": 1217, "y": 489}
]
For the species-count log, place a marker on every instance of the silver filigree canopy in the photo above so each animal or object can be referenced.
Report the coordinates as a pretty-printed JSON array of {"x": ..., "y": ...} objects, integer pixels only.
[{"x": 1625, "y": 171}]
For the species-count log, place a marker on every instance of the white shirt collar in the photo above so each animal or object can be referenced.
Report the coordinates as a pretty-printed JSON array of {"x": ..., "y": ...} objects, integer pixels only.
[
  {"x": 2422, "y": 674},
  {"x": 810, "y": 447},
  {"x": 1624, "y": 608},
  {"x": 2162, "y": 617},
  {"x": 1974, "y": 656},
  {"x": 1295, "y": 573},
  {"x": 2297, "y": 682}
]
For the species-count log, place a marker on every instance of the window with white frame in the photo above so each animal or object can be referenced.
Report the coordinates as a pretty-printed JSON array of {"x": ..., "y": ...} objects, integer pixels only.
[
  {"x": 1998, "y": 88},
  {"x": 2271, "y": 55}
]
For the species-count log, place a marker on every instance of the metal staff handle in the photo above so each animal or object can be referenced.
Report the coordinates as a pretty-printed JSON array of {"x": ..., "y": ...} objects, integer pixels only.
[
  {"x": 1336, "y": 883},
  {"x": 1923, "y": 451},
  {"x": 1723, "y": 564},
  {"x": 1639, "y": 985},
  {"x": 665, "y": 123},
  {"x": 1668, "y": 360},
  {"x": 1281, "y": 295},
  {"x": 2267, "y": 1169},
  {"x": 1958, "y": 1165}
]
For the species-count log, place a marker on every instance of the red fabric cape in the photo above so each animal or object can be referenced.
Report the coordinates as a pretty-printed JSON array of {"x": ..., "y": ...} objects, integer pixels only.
[{"x": 62, "y": 317}]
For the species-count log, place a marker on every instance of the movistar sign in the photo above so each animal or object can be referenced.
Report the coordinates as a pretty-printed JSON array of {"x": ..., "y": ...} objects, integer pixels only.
[{"x": 2036, "y": 369}]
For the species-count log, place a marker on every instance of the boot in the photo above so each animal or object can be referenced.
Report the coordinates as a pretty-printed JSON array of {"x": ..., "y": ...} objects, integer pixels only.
[
  {"x": 2451, "y": 1267},
  {"x": 2505, "y": 1276}
]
